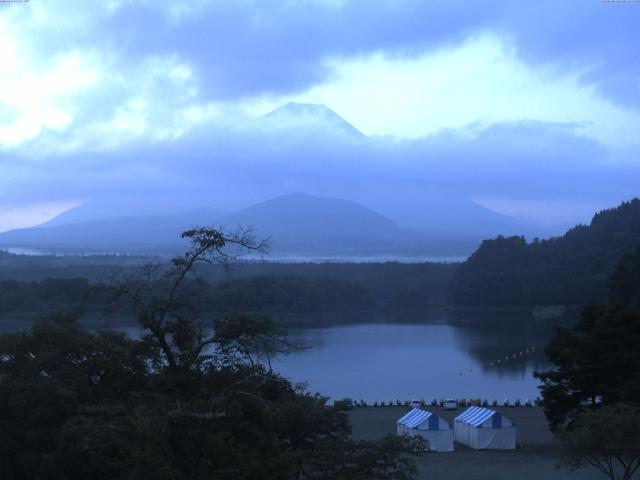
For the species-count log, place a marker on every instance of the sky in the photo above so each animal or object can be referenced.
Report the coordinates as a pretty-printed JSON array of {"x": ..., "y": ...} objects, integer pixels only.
[{"x": 529, "y": 108}]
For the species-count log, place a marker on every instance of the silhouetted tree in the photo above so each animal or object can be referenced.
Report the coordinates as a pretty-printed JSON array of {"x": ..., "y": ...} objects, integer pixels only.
[
  {"x": 598, "y": 358},
  {"x": 607, "y": 439}
]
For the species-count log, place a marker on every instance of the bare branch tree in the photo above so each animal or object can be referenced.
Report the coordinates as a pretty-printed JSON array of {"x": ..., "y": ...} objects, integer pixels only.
[{"x": 171, "y": 323}]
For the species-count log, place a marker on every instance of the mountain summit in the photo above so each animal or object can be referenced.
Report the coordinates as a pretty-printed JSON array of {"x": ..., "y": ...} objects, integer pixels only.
[
  {"x": 305, "y": 224},
  {"x": 310, "y": 115}
]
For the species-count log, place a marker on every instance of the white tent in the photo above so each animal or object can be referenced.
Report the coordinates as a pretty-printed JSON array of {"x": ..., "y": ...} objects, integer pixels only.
[
  {"x": 481, "y": 428},
  {"x": 432, "y": 428}
]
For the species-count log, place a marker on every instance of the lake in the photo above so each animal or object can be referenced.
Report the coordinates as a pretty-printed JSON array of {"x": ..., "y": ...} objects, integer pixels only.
[
  {"x": 477, "y": 354},
  {"x": 386, "y": 362}
]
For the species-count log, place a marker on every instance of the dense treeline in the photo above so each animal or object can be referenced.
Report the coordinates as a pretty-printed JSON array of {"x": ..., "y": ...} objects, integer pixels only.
[
  {"x": 51, "y": 294},
  {"x": 316, "y": 288},
  {"x": 34, "y": 268},
  {"x": 264, "y": 294},
  {"x": 573, "y": 269},
  {"x": 387, "y": 281},
  {"x": 289, "y": 294}
]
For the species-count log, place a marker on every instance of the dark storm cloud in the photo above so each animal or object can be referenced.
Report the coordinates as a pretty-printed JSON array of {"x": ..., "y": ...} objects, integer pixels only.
[
  {"x": 241, "y": 48},
  {"x": 249, "y": 47}
]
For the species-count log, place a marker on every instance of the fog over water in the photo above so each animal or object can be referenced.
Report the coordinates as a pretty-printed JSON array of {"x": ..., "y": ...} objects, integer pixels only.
[{"x": 291, "y": 258}]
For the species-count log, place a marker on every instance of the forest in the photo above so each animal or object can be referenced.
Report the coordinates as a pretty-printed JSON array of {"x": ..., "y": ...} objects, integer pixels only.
[
  {"x": 572, "y": 269},
  {"x": 86, "y": 286}
]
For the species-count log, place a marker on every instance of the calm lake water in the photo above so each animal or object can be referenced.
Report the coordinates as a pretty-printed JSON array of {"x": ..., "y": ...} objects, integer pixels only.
[
  {"x": 473, "y": 355},
  {"x": 420, "y": 361}
]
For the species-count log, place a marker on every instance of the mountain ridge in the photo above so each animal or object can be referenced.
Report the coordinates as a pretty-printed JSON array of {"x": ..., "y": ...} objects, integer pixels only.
[{"x": 298, "y": 223}]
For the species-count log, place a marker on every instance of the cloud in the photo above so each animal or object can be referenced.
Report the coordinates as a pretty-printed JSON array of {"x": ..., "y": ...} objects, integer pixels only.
[
  {"x": 233, "y": 167},
  {"x": 38, "y": 97},
  {"x": 598, "y": 37},
  {"x": 130, "y": 69},
  {"x": 480, "y": 81},
  {"x": 524, "y": 101},
  {"x": 247, "y": 47},
  {"x": 70, "y": 93}
]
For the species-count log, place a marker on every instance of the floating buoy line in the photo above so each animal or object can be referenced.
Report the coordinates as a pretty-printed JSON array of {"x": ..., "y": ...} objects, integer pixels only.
[{"x": 505, "y": 360}]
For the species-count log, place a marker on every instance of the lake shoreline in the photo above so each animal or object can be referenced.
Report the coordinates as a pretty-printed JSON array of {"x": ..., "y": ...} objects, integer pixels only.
[{"x": 435, "y": 315}]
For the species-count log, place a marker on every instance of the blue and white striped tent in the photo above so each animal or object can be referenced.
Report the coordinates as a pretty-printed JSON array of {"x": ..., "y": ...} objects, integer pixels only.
[
  {"x": 482, "y": 428},
  {"x": 431, "y": 427}
]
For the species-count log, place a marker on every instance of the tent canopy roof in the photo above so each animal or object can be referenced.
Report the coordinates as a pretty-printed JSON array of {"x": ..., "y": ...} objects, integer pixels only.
[
  {"x": 414, "y": 418},
  {"x": 476, "y": 416}
]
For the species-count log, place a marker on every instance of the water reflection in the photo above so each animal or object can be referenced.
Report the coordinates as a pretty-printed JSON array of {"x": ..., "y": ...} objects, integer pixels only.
[
  {"x": 377, "y": 356},
  {"x": 505, "y": 345},
  {"x": 404, "y": 361}
]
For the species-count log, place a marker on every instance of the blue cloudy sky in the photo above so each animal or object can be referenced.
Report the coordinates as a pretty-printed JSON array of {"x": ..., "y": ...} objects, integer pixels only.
[{"x": 531, "y": 108}]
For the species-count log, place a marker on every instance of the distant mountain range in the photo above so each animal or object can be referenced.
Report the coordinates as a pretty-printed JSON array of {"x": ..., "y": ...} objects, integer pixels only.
[
  {"x": 297, "y": 224},
  {"x": 130, "y": 234},
  {"x": 440, "y": 213},
  {"x": 425, "y": 223}
]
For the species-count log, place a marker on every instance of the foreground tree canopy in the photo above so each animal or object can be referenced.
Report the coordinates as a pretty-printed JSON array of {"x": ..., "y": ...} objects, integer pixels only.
[
  {"x": 598, "y": 360},
  {"x": 191, "y": 399},
  {"x": 606, "y": 438},
  {"x": 592, "y": 399}
]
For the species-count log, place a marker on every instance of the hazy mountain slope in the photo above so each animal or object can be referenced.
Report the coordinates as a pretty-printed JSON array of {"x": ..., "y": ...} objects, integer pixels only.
[
  {"x": 129, "y": 234},
  {"x": 143, "y": 206},
  {"x": 299, "y": 223},
  {"x": 571, "y": 269},
  {"x": 437, "y": 212}
]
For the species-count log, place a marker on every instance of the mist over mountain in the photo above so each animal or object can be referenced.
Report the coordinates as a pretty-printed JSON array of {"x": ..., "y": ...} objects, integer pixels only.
[
  {"x": 411, "y": 201},
  {"x": 425, "y": 184},
  {"x": 143, "y": 234},
  {"x": 438, "y": 212},
  {"x": 297, "y": 224},
  {"x": 165, "y": 208}
]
